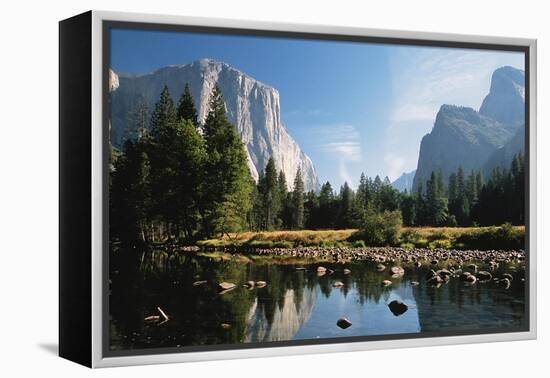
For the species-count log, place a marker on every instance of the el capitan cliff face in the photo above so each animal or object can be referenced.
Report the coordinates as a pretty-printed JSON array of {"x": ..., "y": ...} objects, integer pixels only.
[{"x": 253, "y": 107}]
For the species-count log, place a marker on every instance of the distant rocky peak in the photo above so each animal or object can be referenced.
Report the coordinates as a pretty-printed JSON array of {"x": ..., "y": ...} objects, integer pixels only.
[{"x": 506, "y": 99}]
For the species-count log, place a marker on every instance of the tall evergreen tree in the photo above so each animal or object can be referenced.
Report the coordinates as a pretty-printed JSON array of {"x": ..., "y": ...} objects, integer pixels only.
[
  {"x": 284, "y": 208},
  {"x": 270, "y": 192},
  {"x": 164, "y": 161},
  {"x": 190, "y": 159},
  {"x": 311, "y": 209},
  {"x": 298, "y": 201},
  {"x": 436, "y": 204},
  {"x": 228, "y": 184},
  {"x": 326, "y": 206},
  {"x": 186, "y": 107},
  {"x": 344, "y": 219},
  {"x": 460, "y": 206},
  {"x": 164, "y": 117},
  {"x": 130, "y": 195}
]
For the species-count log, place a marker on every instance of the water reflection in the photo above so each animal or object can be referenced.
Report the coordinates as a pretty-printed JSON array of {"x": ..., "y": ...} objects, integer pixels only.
[{"x": 295, "y": 304}]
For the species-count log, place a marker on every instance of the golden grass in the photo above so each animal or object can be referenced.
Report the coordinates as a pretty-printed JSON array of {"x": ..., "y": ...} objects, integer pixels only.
[
  {"x": 298, "y": 235},
  {"x": 430, "y": 237}
]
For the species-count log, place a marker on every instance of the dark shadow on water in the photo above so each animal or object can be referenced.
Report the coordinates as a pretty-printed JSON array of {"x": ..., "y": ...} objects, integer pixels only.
[{"x": 51, "y": 348}]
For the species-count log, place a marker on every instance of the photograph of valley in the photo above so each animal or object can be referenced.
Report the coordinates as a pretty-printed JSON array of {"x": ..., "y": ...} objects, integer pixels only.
[{"x": 269, "y": 189}]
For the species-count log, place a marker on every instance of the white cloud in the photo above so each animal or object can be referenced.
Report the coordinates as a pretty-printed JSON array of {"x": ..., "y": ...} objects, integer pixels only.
[
  {"x": 395, "y": 165},
  {"x": 340, "y": 143}
]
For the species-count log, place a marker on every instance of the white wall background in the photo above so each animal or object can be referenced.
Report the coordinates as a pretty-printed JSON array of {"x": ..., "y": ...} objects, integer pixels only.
[{"x": 28, "y": 190}]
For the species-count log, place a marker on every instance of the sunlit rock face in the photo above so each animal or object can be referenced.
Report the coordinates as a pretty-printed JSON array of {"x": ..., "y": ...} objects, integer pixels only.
[
  {"x": 253, "y": 107},
  {"x": 286, "y": 319}
]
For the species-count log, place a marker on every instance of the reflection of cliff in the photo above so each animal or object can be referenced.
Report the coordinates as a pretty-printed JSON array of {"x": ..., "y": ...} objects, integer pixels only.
[{"x": 287, "y": 318}]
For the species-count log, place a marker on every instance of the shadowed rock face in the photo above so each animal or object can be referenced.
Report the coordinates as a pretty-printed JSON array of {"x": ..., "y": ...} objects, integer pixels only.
[
  {"x": 460, "y": 136},
  {"x": 506, "y": 99},
  {"x": 477, "y": 140},
  {"x": 253, "y": 107}
]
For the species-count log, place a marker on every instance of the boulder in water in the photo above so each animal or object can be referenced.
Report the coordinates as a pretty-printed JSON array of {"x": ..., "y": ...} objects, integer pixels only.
[
  {"x": 343, "y": 323},
  {"x": 398, "y": 307}
]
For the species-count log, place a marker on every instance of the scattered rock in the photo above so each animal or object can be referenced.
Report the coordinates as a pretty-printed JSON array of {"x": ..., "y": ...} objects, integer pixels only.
[
  {"x": 398, "y": 307},
  {"x": 225, "y": 325},
  {"x": 347, "y": 271},
  {"x": 483, "y": 275},
  {"x": 418, "y": 264},
  {"x": 261, "y": 284},
  {"x": 471, "y": 279},
  {"x": 509, "y": 276},
  {"x": 226, "y": 285},
  {"x": 386, "y": 283},
  {"x": 199, "y": 283},
  {"x": 338, "y": 284},
  {"x": 380, "y": 267},
  {"x": 444, "y": 273},
  {"x": 472, "y": 267},
  {"x": 321, "y": 269},
  {"x": 505, "y": 283},
  {"x": 343, "y": 323},
  {"x": 397, "y": 270},
  {"x": 415, "y": 283},
  {"x": 435, "y": 280},
  {"x": 250, "y": 284},
  {"x": 300, "y": 268}
]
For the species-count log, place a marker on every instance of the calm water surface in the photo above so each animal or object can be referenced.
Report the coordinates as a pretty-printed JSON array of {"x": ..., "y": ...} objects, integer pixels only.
[{"x": 295, "y": 304}]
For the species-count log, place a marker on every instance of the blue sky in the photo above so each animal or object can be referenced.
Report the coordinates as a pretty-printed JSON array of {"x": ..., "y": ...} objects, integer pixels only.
[{"x": 352, "y": 107}]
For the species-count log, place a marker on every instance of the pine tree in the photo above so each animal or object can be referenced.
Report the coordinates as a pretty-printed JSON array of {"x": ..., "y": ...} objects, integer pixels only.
[
  {"x": 453, "y": 189},
  {"x": 186, "y": 107},
  {"x": 408, "y": 209},
  {"x": 130, "y": 195},
  {"x": 284, "y": 207},
  {"x": 420, "y": 205},
  {"x": 164, "y": 117},
  {"x": 326, "y": 205},
  {"x": 298, "y": 201},
  {"x": 228, "y": 184},
  {"x": 191, "y": 156},
  {"x": 460, "y": 205},
  {"x": 271, "y": 200},
  {"x": 163, "y": 133},
  {"x": 346, "y": 206},
  {"x": 436, "y": 204},
  {"x": 311, "y": 209}
]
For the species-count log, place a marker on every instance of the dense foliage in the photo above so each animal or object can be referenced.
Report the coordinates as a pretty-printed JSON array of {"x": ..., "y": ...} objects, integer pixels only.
[
  {"x": 172, "y": 182},
  {"x": 178, "y": 179}
]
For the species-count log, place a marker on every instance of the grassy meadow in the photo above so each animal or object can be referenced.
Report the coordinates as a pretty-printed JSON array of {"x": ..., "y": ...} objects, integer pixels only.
[{"x": 494, "y": 237}]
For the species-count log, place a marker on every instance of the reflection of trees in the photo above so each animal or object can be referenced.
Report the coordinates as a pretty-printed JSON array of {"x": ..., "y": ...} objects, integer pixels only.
[
  {"x": 141, "y": 281},
  {"x": 158, "y": 278}
]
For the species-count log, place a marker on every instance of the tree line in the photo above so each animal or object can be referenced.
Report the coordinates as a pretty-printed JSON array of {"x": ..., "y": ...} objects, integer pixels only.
[
  {"x": 461, "y": 200},
  {"x": 178, "y": 179}
]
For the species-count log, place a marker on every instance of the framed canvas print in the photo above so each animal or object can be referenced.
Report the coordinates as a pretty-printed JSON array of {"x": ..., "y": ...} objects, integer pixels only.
[{"x": 234, "y": 189}]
